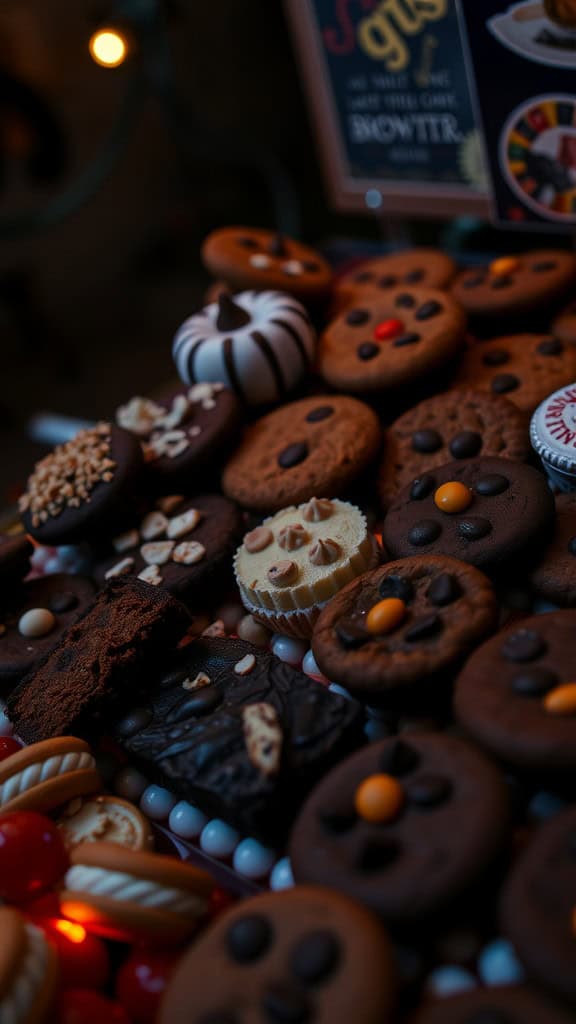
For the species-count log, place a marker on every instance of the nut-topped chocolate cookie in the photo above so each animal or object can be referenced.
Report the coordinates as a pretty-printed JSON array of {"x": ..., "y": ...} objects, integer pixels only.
[
  {"x": 305, "y": 954},
  {"x": 513, "y": 285},
  {"x": 486, "y": 511},
  {"x": 411, "y": 268},
  {"x": 384, "y": 826},
  {"x": 453, "y": 425},
  {"x": 538, "y": 908},
  {"x": 403, "y": 623},
  {"x": 516, "y": 695},
  {"x": 315, "y": 447},
  {"x": 389, "y": 341},
  {"x": 245, "y": 257},
  {"x": 525, "y": 368}
]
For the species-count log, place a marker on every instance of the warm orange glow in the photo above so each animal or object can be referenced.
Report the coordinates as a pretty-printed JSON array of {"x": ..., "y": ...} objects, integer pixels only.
[
  {"x": 108, "y": 47},
  {"x": 75, "y": 932}
]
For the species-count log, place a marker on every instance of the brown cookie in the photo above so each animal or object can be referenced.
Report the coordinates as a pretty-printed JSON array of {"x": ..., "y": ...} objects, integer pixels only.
[
  {"x": 105, "y": 818},
  {"x": 564, "y": 324},
  {"x": 501, "y": 1004},
  {"x": 315, "y": 447},
  {"x": 132, "y": 895},
  {"x": 453, "y": 425},
  {"x": 28, "y": 971},
  {"x": 303, "y": 954},
  {"x": 391, "y": 340},
  {"x": 244, "y": 257},
  {"x": 403, "y": 623},
  {"x": 523, "y": 367},
  {"x": 553, "y": 578},
  {"x": 371, "y": 279},
  {"x": 512, "y": 285},
  {"x": 47, "y": 775}
]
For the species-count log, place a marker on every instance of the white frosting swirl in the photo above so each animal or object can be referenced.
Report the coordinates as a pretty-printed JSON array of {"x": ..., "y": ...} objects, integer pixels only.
[
  {"x": 117, "y": 885},
  {"x": 17, "y": 1003},
  {"x": 34, "y": 774}
]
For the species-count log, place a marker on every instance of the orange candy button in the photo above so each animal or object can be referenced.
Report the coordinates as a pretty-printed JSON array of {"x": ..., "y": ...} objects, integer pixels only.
[
  {"x": 453, "y": 497},
  {"x": 386, "y": 615},
  {"x": 388, "y": 329},
  {"x": 561, "y": 700},
  {"x": 379, "y": 798},
  {"x": 503, "y": 266}
]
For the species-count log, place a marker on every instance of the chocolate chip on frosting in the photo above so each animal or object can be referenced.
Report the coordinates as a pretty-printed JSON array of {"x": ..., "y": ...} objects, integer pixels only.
[
  {"x": 324, "y": 552},
  {"x": 258, "y": 539},
  {"x": 281, "y": 574},
  {"x": 292, "y": 536},
  {"x": 317, "y": 509}
]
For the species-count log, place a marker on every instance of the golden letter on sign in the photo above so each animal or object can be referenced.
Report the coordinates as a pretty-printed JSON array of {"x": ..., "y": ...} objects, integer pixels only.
[{"x": 380, "y": 35}]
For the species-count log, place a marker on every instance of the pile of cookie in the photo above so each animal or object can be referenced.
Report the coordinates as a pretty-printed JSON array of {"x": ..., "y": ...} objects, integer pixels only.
[{"x": 323, "y": 640}]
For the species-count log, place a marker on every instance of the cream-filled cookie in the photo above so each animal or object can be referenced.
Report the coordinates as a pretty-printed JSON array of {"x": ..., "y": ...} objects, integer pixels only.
[
  {"x": 105, "y": 818},
  {"x": 28, "y": 971},
  {"x": 47, "y": 775}
]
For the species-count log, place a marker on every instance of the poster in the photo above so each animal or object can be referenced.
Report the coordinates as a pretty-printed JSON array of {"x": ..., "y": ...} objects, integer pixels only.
[
  {"x": 523, "y": 58},
  {"x": 388, "y": 88}
]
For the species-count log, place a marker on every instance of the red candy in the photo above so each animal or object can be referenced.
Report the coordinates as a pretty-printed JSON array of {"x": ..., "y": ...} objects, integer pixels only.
[
  {"x": 141, "y": 982},
  {"x": 386, "y": 330},
  {"x": 82, "y": 1006},
  {"x": 8, "y": 746},
  {"x": 32, "y": 855},
  {"x": 82, "y": 958}
]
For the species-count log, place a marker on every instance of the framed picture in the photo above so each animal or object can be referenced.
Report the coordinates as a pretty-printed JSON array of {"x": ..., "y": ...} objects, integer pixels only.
[{"x": 387, "y": 87}]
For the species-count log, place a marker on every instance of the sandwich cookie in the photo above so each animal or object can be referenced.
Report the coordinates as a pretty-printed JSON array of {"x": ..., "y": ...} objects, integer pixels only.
[
  {"x": 28, "y": 971},
  {"x": 105, "y": 818},
  {"x": 47, "y": 775},
  {"x": 131, "y": 895}
]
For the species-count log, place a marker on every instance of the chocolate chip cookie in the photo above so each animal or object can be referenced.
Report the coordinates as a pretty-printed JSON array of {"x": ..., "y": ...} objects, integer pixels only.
[
  {"x": 422, "y": 268},
  {"x": 385, "y": 826},
  {"x": 315, "y": 447},
  {"x": 453, "y": 425},
  {"x": 403, "y": 623},
  {"x": 564, "y": 324},
  {"x": 485, "y": 511},
  {"x": 553, "y": 578},
  {"x": 389, "y": 341},
  {"x": 516, "y": 695},
  {"x": 523, "y": 367}
]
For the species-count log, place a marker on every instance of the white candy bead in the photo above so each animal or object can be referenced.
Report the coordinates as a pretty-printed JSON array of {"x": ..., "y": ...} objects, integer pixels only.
[
  {"x": 186, "y": 821},
  {"x": 498, "y": 965},
  {"x": 310, "y": 667},
  {"x": 253, "y": 860},
  {"x": 36, "y": 622},
  {"x": 288, "y": 649},
  {"x": 130, "y": 784},
  {"x": 448, "y": 980},
  {"x": 156, "y": 802},
  {"x": 39, "y": 557},
  {"x": 336, "y": 688},
  {"x": 281, "y": 876},
  {"x": 219, "y": 839},
  {"x": 375, "y": 729}
]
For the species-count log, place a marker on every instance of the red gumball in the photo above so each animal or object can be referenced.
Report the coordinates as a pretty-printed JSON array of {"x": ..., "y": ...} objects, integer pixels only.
[
  {"x": 141, "y": 981},
  {"x": 82, "y": 958},
  {"x": 8, "y": 746},
  {"x": 82, "y": 1006},
  {"x": 32, "y": 855}
]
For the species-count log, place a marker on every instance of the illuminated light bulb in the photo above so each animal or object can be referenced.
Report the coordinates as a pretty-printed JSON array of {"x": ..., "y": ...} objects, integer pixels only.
[
  {"x": 108, "y": 47},
  {"x": 75, "y": 932}
]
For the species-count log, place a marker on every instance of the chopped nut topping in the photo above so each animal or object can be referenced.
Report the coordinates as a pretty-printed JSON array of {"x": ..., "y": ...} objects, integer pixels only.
[
  {"x": 293, "y": 536},
  {"x": 263, "y": 737},
  {"x": 196, "y": 684},
  {"x": 139, "y": 416},
  {"x": 258, "y": 539},
  {"x": 182, "y": 524},
  {"x": 215, "y": 629},
  {"x": 67, "y": 476},
  {"x": 245, "y": 665},
  {"x": 157, "y": 552},
  {"x": 126, "y": 541},
  {"x": 189, "y": 552},
  {"x": 120, "y": 569},
  {"x": 317, "y": 509},
  {"x": 282, "y": 573},
  {"x": 204, "y": 392},
  {"x": 170, "y": 503},
  {"x": 151, "y": 574},
  {"x": 324, "y": 552},
  {"x": 153, "y": 525}
]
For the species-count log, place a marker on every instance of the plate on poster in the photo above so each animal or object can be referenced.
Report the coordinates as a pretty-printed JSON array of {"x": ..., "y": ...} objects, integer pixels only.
[
  {"x": 538, "y": 156},
  {"x": 526, "y": 29}
]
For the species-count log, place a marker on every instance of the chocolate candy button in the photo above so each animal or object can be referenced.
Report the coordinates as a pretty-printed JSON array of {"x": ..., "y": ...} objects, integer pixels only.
[
  {"x": 422, "y": 487},
  {"x": 363, "y": 277},
  {"x": 357, "y": 317},
  {"x": 523, "y": 645},
  {"x": 315, "y": 957},
  {"x": 466, "y": 444},
  {"x": 405, "y": 301},
  {"x": 406, "y": 339},
  {"x": 293, "y": 455},
  {"x": 496, "y": 357},
  {"x": 398, "y": 759},
  {"x": 504, "y": 382},
  {"x": 474, "y": 528},
  {"x": 351, "y": 634},
  {"x": 491, "y": 485},
  {"x": 428, "y": 310},
  {"x": 424, "y": 532},
  {"x": 426, "y": 441},
  {"x": 388, "y": 281},
  {"x": 540, "y": 268},
  {"x": 550, "y": 347},
  {"x": 428, "y": 790},
  {"x": 473, "y": 282},
  {"x": 395, "y": 586},
  {"x": 444, "y": 590},
  {"x": 414, "y": 276},
  {"x": 501, "y": 282},
  {"x": 248, "y": 938},
  {"x": 423, "y": 628},
  {"x": 321, "y": 413},
  {"x": 367, "y": 350},
  {"x": 534, "y": 682}
]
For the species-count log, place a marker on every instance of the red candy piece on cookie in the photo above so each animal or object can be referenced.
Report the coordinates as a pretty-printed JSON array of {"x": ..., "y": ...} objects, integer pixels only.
[{"x": 386, "y": 330}]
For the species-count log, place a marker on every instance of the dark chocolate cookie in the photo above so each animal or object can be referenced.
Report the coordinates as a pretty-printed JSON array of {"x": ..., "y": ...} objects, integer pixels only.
[
  {"x": 553, "y": 578},
  {"x": 187, "y": 550},
  {"x": 82, "y": 487},
  {"x": 453, "y": 425},
  {"x": 526, "y": 368},
  {"x": 421, "y": 268},
  {"x": 239, "y": 733},
  {"x": 403, "y": 623},
  {"x": 305, "y": 954},
  {"x": 539, "y": 906},
  {"x": 315, "y": 447},
  {"x": 516, "y": 285},
  {"x": 516, "y": 694},
  {"x": 183, "y": 435},
  {"x": 34, "y": 618},
  {"x": 486, "y": 511},
  {"x": 385, "y": 826},
  {"x": 391, "y": 341},
  {"x": 501, "y": 1004}
]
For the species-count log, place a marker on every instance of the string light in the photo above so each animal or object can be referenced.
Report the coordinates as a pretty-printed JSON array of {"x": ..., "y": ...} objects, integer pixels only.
[
  {"x": 108, "y": 47},
  {"x": 75, "y": 932}
]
